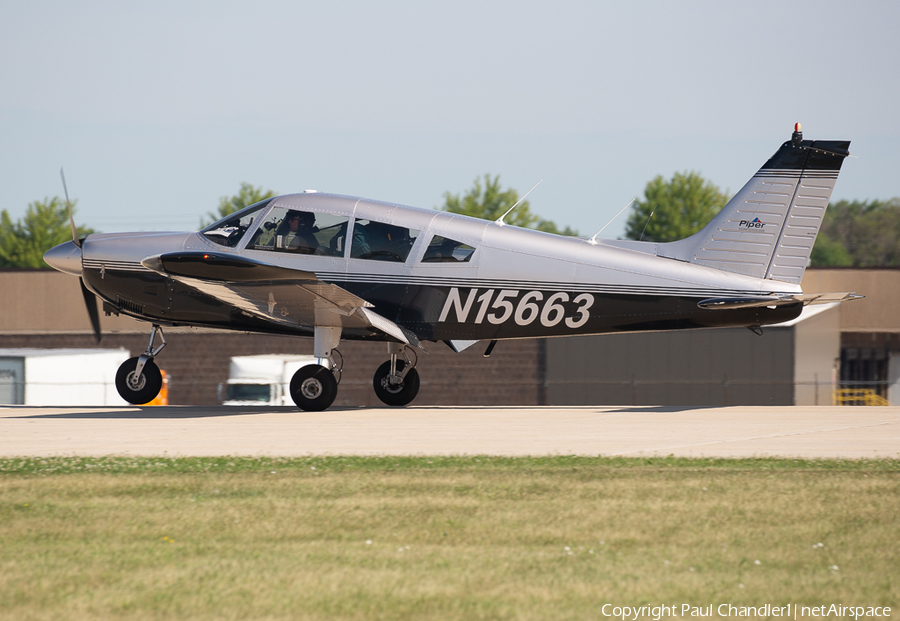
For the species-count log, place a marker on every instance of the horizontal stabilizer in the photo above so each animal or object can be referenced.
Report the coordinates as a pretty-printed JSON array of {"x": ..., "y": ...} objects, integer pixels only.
[{"x": 774, "y": 300}]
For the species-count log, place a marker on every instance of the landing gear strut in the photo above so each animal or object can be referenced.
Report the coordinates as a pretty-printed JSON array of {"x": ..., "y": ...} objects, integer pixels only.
[
  {"x": 314, "y": 387},
  {"x": 138, "y": 379},
  {"x": 396, "y": 382}
]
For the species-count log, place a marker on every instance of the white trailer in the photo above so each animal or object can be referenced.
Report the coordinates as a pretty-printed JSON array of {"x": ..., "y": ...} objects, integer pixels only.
[
  {"x": 60, "y": 376},
  {"x": 263, "y": 379}
]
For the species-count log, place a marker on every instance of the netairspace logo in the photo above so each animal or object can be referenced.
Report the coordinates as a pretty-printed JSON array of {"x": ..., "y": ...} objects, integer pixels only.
[
  {"x": 789, "y": 611},
  {"x": 755, "y": 223}
]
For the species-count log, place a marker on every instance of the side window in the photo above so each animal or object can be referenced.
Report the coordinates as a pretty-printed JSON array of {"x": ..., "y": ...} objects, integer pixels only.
[
  {"x": 446, "y": 250},
  {"x": 378, "y": 241},
  {"x": 301, "y": 232}
]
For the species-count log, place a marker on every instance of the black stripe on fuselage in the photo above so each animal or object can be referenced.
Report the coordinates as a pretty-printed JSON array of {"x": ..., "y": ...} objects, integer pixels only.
[
  {"x": 444, "y": 313},
  {"x": 441, "y": 312}
]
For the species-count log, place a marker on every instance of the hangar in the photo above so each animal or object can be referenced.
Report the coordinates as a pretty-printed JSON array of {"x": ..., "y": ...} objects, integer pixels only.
[{"x": 852, "y": 345}]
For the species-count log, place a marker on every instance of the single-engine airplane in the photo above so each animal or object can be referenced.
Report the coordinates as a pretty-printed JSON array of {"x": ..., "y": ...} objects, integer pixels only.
[{"x": 336, "y": 267}]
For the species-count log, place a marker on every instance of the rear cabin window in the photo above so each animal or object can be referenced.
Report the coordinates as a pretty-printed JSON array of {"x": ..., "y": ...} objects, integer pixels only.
[
  {"x": 378, "y": 241},
  {"x": 301, "y": 232},
  {"x": 446, "y": 250}
]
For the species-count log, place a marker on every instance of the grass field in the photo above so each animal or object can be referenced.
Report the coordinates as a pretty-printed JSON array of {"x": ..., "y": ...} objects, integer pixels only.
[{"x": 440, "y": 538}]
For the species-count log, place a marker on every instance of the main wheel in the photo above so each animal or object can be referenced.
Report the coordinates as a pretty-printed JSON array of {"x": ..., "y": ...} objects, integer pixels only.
[
  {"x": 396, "y": 394},
  {"x": 138, "y": 389},
  {"x": 313, "y": 388}
]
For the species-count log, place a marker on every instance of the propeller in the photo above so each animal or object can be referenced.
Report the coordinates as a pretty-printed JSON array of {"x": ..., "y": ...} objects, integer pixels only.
[
  {"x": 69, "y": 207},
  {"x": 90, "y": 300}
]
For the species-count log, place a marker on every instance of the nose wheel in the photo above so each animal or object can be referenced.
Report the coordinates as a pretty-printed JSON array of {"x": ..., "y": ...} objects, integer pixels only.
[
  {"x": 138, "y": 379},
  {"x": 396, "y": 382},
  {"x": 138, "y": 387}
]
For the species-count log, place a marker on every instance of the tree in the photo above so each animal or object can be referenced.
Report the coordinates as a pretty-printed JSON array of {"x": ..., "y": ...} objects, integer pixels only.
[
  {"x": 46, "y": 224},
  {"x": 679, "y": 207},
  {"x": 486, "y": 200},
  {"x": 859, "y": 233},
  {"x": 246, "y": 196},
  {"x": 829, "y": 252}
]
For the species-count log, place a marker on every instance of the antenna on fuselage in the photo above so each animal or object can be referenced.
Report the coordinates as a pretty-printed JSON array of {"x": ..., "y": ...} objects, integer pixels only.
[
  {"x": 500, "y": 219},
  {"x": 645, "y": 226},
  {"x": 593, "y": 240}
]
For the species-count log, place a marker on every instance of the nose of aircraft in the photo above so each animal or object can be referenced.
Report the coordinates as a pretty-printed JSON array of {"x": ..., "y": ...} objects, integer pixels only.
[{"x": 65, "y": 257}]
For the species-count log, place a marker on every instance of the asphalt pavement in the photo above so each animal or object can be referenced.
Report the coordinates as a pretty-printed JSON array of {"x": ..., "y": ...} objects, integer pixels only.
[{"x": 798, "y": 431}]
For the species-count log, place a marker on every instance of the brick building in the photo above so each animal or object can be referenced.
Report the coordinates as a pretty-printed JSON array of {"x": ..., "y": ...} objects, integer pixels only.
[{"x": 860, "y": 341}]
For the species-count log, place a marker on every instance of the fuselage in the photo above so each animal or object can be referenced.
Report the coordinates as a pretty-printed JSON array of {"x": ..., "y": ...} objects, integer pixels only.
[{"x": 509, "y": 282}]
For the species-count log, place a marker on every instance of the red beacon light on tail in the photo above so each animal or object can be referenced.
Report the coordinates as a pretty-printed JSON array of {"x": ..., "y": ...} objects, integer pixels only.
[{"x": 797, "y": 137}]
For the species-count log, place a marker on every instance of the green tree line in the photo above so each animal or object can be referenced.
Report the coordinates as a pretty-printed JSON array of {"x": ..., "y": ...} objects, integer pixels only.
[
  {"x": 854, "y": 233},
  {"x": 486, "y": 199},
  {"x": 859, "y": 234},
  {"x": 45, "y": 224}
]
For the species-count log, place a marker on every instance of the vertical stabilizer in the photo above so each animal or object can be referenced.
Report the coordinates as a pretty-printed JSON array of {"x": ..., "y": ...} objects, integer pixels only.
[{"x": 769, "y": 228}]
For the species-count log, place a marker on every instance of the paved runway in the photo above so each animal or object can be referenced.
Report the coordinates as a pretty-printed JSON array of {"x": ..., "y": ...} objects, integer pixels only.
[{"x": 810, "y": 432}]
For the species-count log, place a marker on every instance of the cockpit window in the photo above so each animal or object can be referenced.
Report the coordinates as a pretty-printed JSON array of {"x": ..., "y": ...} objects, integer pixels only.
[
  {"x": 301, "y": 232},
  {"x": 381, "y": 242},
  {"x": 229, "y": 230},
  {"x": 446, "y": 250}
]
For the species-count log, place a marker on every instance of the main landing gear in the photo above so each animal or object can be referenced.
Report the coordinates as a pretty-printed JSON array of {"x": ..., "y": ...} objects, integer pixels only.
[
  {"x": 396, "y": 381},
  {"x": 314, "y": 387},
  {"x": 138, "y": 379}
]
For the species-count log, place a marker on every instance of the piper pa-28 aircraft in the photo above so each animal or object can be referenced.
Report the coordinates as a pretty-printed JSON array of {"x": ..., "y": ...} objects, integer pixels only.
[{"x": 336, "y": 267}]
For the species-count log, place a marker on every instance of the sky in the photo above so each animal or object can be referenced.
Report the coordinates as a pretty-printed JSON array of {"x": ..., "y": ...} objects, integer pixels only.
[{"x": 157, "y": 110}]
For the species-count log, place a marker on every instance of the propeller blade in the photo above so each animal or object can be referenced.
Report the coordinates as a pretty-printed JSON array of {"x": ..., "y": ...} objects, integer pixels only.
[
  {"x": 90, "y": 301},
  {"x": 71, "y": 219}
]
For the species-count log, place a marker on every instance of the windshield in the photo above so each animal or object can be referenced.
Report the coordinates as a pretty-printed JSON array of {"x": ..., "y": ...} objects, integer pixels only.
[{"x": 229, "y": 230}]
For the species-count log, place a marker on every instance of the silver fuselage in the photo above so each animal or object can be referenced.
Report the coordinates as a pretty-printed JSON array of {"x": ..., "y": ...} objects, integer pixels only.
[{"x": 518, "y": 283}]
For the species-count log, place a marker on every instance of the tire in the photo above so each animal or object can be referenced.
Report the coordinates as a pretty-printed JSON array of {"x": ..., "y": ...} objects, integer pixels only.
[
  {"x": 313, "y": 388},
  {"x": 145, "y": 388},
  {"x": 396, "y": 395}
]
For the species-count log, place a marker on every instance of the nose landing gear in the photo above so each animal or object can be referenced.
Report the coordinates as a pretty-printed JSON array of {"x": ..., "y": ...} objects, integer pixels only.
[
  {"x": 138, "y": 379},
  {"x": 396, "y": 382}
]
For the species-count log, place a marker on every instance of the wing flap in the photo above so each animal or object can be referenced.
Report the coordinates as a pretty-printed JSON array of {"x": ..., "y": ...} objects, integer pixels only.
[{"x": 390, "y": 328}]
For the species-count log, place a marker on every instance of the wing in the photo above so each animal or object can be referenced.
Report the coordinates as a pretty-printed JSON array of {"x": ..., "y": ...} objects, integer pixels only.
[{"x": 278, "y": 295}]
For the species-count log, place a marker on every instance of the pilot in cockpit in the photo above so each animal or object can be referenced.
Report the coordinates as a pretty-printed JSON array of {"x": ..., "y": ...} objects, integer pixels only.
[{"x": 297, "y": 232}]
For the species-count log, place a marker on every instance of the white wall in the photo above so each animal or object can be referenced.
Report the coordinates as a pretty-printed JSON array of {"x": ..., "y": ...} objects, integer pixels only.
[{"x": 817, "y": 353}]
